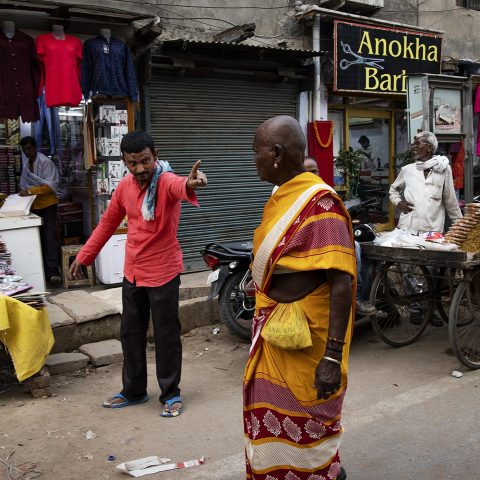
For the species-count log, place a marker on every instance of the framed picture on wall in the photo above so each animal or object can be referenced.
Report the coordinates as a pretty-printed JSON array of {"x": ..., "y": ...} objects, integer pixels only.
[{"x": 447, "y": 111}]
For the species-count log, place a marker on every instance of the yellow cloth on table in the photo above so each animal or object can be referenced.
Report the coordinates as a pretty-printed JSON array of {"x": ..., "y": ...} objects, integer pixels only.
[{"x": 27, "y": 334}]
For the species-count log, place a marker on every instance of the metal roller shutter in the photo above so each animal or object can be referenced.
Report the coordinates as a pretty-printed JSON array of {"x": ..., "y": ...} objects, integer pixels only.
[{"x": 214, "y": 120}]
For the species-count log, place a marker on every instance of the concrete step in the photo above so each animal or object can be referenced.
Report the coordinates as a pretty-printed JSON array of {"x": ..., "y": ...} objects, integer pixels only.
[
  {"x": 66, "y": 362},
  {"x": 103, "y": 353},
  {"x": 193, "y": 313},
  {"x": 82, "y": 306},
  {"x": 194, "y": 285},
  {"x": 91, "y": 315}
]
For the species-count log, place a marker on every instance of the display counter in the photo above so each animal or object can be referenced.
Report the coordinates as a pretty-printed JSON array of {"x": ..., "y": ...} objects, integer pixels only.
[{"x": 22, "y": 236}]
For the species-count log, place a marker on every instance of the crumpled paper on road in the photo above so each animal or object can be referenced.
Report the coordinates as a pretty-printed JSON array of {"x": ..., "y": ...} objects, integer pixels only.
[{"x": 154, "y": 464}]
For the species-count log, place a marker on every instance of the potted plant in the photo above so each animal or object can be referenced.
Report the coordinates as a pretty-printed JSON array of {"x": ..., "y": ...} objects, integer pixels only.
[{"x": 348, "y": 162}]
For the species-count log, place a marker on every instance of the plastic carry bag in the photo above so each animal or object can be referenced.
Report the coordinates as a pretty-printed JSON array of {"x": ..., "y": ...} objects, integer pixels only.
[
  {"x": 287, "y": 327},
  {"x": 17, "y": 206}
]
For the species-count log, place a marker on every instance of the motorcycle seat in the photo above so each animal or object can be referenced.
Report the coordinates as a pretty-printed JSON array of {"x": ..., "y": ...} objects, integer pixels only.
[{"x": 242, "y": 247}]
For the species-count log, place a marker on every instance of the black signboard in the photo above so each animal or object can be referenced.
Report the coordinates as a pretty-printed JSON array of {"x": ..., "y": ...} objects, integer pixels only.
[{"x": 377, "y": 60}]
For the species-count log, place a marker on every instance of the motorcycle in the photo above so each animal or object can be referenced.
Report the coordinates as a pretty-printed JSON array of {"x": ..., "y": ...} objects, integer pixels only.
[{"x": 231, "y": 278}]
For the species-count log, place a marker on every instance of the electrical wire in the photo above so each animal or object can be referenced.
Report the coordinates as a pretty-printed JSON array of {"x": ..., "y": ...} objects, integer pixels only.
[
  {"x": 282, "y": 34},
  {"x": 434, "y": 23},
  {"x": 200, "y": 18},
  {"x": 157, "y": 5},
  {"x": 224, "y": 7},
  {"x": 194, "y": 20}
]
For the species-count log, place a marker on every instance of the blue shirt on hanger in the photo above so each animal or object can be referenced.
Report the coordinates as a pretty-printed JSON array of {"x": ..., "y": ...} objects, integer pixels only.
[{"x": 107, "y": 68}]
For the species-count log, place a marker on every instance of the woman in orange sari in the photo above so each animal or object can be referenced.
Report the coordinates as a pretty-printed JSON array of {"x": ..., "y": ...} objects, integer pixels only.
[{"x": 303, "y": 253}]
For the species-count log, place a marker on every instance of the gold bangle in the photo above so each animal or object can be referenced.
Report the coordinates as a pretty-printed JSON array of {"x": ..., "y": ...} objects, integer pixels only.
[
  {"x": 333, "y": 360},
  {"x": 335, "y": 340}
]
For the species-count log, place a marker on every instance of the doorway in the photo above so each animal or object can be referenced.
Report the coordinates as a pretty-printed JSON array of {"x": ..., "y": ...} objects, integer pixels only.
[{"x": 370, "y": 133}]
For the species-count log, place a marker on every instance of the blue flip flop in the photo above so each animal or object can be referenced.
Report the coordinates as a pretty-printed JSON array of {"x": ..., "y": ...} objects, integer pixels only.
[
  {"x": 126, "y": 402},
  {"x": 168, "y": 405}
]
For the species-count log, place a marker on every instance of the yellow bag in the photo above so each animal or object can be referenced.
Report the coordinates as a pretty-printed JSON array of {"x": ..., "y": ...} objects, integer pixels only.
[{"x": 287, "y": 327}]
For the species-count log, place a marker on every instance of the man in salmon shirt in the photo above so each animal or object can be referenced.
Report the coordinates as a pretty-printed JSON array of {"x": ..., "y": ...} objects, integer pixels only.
[{"x": 150, "y": 197}]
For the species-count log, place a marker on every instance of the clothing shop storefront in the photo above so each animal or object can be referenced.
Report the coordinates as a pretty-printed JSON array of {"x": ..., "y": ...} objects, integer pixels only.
[
  {"x": 366, "y": 68},
  {"x": 205, "y": 101},
  {"x": 68, "y": 83}
]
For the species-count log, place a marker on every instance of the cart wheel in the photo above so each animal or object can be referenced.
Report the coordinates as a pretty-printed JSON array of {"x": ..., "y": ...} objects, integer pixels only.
[
  {"x": 403, "y": 296},
  {"x": 450, "y": 278},
  {"x": 464, "y": 324}
]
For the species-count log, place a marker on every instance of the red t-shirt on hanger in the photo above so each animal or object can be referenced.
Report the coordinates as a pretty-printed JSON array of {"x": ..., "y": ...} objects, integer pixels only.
[{"x": 61, "y": 61}]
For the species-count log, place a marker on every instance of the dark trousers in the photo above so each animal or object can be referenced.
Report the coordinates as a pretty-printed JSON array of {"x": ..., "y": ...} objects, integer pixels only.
[
  {"x": 48, "y": 237},
  {"x": 163, "y": 304}
]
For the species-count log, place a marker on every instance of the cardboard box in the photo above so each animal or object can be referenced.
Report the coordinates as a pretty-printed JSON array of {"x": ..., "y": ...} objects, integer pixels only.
[
  {"x": 70, "y": 207},
  {"x": 71, "y": 217},
  {"x": 72, "y": 229}
]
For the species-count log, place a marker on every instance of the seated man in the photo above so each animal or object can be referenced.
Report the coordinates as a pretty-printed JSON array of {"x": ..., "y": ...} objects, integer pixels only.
[
  {"x": 369, "y": 161},
  {"x": 40, "y": 177}
]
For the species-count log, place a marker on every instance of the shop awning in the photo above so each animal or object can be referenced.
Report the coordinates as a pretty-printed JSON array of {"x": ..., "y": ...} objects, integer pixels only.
[
  {"x": 207, "y": 55},
  {"x": 107, "y": 11},
  {"x": 236, "y": 54},
  {"x": 239, "y": 49}
]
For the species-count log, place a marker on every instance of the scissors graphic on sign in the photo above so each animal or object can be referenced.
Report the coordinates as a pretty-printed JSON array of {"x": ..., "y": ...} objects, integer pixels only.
[{"x": 359, "y": 60}]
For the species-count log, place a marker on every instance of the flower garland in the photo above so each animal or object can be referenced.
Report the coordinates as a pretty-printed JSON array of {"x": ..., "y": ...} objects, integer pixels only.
[{"x": 317, "y": 135}]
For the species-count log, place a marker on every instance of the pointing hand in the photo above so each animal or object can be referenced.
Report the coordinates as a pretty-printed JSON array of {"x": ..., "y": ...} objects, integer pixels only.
[{"x": 197, "y": 178}]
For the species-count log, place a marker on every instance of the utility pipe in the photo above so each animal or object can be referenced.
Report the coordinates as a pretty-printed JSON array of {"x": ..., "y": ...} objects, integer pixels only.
[{"x": 316, "y": 63}]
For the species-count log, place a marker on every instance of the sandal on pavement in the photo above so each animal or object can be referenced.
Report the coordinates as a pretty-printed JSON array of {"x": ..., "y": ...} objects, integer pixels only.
[
  {"x": 342, "y": 475},
  {"x": 125, "y": 403},
  {"x": 167, "y": 407}
]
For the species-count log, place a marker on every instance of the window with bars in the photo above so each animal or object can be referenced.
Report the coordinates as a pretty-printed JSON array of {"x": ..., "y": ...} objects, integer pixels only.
[{"x": 472, "y": 4}]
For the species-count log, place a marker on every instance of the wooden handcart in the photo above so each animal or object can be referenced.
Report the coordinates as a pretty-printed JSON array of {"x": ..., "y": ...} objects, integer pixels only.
[{"x": 411, "y": 284}]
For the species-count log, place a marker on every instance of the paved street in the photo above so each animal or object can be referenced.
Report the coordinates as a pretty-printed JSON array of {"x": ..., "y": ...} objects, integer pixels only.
[{"x": 405, "y": 416}]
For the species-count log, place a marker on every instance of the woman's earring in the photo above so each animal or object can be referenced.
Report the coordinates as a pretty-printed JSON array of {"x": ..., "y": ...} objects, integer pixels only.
[{"x": 275, "y": 165}]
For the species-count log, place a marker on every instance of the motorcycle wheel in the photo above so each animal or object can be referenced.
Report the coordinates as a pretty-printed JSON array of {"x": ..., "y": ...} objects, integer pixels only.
[{"x": 230, "y": 303}]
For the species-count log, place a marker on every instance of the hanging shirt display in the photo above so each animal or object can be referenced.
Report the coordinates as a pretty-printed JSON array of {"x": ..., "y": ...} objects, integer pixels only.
[
  {"x": 48, "y": 129},
  {"x": 457, "y": 151},
  {"x": 61, "y": 60},
  {"x": 107, "y": 68},
  {"x": 19, "y": 77}
]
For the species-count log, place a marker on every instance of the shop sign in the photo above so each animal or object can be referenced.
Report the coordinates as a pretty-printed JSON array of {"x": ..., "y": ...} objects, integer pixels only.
[{"x": 377, "y": 60}]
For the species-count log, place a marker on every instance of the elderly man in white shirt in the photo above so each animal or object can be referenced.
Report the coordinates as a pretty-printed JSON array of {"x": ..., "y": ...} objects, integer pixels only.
[{"x": 424, "y": 190}]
